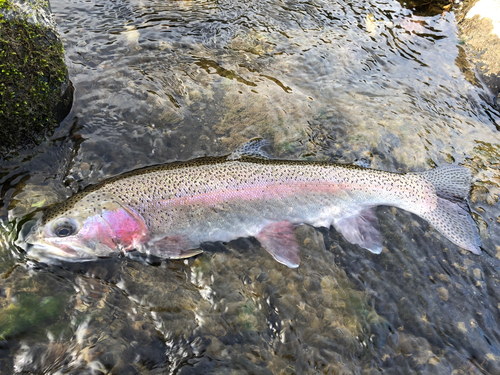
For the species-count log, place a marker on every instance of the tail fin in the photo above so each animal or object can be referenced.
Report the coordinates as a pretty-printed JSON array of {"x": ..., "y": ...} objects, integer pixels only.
[{"x": 452, "y": 217}]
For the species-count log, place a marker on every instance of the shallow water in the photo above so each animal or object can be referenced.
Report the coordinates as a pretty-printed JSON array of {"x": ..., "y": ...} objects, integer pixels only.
[{"x": 366, "y": 82}]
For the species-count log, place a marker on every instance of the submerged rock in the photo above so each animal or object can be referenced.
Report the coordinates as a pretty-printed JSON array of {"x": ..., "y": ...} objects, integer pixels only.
[
  {"x": 480, "y": 28},
  {"x": 35, "y": 92},
  {"x": 426, "y": 8}
]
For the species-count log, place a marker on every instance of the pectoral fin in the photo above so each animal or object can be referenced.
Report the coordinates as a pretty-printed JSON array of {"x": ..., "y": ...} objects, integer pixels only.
[
  {"x": 174, "y": 247},
  {"x": 279, "y": 241},
  {"x": 362, "y": 229}
]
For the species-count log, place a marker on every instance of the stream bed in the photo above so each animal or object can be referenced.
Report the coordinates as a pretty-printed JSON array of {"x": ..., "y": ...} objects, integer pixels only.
[{"x": 367, "y": 82}]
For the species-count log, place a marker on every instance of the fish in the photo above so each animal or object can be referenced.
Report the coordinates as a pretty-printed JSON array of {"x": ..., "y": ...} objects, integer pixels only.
[{"x": 171, "y": 210}]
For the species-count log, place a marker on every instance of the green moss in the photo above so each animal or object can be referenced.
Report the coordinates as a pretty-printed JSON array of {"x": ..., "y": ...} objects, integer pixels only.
[
  {"x": 5, "y": 4},
  {"x": 247, "y": 316},
  {"x": 29, "y": 312},
  {"x": 32, "y": 70}
]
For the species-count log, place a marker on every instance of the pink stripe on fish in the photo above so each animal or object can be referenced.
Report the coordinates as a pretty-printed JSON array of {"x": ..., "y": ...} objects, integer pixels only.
[{"x": 254, "y": 192}]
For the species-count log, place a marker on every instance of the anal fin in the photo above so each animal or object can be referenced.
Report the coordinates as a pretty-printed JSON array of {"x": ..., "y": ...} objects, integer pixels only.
[
  {"x": 362, "y": 229},
  {"x": 279, "y": 241}
]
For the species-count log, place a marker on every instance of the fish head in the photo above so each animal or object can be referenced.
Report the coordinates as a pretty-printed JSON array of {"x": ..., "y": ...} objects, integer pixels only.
[{"x": 86, "y": 227}]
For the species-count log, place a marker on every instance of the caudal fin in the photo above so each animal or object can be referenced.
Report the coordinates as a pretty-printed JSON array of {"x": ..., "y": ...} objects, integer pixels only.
[{"x": 452, "y": 217}]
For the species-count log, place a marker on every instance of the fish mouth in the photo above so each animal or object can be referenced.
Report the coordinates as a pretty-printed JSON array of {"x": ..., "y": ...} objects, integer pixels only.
[
  {"x": 46, "y": 251},
  {"x": 37, "y": 248}
]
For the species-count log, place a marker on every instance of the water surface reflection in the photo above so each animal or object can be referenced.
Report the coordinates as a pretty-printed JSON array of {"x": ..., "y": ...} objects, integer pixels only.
[{"x": 367, "y": 82}]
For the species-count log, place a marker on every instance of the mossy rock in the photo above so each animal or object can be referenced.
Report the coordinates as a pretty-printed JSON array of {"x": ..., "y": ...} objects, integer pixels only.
[
  {"x": 30, "y": 312},
  {"x": 35, "y": 93}
]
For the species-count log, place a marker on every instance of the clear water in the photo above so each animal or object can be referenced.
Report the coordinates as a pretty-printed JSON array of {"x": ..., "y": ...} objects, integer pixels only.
[{"x": 366, "y": 82}]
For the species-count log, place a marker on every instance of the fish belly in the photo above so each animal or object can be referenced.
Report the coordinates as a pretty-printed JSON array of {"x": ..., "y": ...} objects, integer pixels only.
[{"x": 239, "y": 218}]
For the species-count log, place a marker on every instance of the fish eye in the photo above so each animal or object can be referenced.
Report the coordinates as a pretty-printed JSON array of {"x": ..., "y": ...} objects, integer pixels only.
[{"x": 64, "y": 228}]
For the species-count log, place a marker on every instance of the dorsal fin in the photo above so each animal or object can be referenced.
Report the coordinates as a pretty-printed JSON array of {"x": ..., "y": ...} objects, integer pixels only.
[{"x": 251, "y": 148}]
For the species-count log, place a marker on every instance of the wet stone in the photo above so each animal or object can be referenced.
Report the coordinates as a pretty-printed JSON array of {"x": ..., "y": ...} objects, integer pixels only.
[
  {"x": 370, "y": 83},
  {"x": 443, "y": 293}
]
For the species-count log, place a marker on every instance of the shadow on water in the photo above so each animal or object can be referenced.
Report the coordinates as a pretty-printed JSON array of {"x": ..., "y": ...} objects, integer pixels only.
[{"x": 368, "y": 82}]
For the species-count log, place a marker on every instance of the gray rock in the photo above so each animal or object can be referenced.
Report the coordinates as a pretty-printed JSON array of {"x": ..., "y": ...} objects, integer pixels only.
[{"x": 36, "y": 12}]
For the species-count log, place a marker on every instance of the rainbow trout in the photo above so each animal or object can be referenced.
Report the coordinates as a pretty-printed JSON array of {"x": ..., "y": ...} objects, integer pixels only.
[{"x": 170, "y": 210}]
